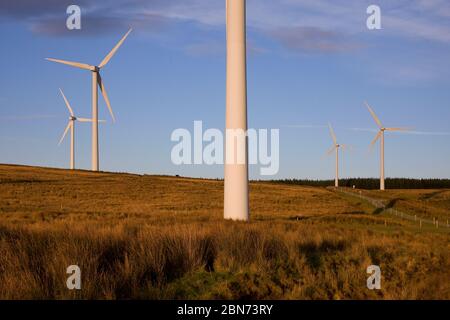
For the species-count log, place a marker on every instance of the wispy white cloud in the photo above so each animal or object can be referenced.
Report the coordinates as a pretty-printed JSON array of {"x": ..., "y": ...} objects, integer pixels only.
[
  {"x": 27, "y": 117},
  {"x": 426, "y": 133},
  {"x": 305, "y": 126},
  {"x": 421, "y": 133},
  {"x": 302, "y": 25},
  {"x": 313, "y": 39},
  {"x": 416, "y": 27},
  {"x": 363, "y": 129},
  {"x": 426, "y": 19}
]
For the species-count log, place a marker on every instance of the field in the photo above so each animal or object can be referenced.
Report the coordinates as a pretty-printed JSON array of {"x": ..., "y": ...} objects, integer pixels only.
[{"x": 157, "y": 237}]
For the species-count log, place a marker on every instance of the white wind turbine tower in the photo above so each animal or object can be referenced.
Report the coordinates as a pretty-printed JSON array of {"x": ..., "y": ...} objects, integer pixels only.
[
  {"x": 236, "y": 204},
  {"x": 96, "y": 81},
  {"x": 335, "y": 148},
  {"x": 379, "y": 135},
  {"x": 71, "y": 126}
]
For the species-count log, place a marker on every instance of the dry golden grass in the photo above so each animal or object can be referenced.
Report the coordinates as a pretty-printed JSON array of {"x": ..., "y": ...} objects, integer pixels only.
[
  {"x": 152, "y": 237},
  {"x": 32, "y": 194}
]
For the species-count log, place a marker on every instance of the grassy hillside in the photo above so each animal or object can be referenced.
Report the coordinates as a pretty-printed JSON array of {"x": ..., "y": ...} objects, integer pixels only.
[
  {"x": 423, "y": 203},
  {"x": 374, "y": 183},
  {"x": 164, "y": 237}
]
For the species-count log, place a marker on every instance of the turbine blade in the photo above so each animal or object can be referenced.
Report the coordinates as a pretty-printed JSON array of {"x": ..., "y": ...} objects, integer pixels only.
[
  {"x": 65, "y": 132},
  {"x": 73, "y": 64},
  {"x": 105, "y": 96},
  {"x": 331, "y": 150},
  {"x": 332, "y": 134},
  {"x": 84, "y": 120},
  {"x": 88, "y": 120},
  {"x": 398, "y": 129},
  {"x": 374, "y": 116},
  {"x": 67, "y": 103},
  {"x": 376, "y": 139},
  {"x": 113, "y": 51}
]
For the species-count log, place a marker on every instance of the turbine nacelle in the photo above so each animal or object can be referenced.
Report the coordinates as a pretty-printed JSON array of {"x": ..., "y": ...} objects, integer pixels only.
[
  {"x": 336, "y": 145},
  {"x": 381, "y": 127}
]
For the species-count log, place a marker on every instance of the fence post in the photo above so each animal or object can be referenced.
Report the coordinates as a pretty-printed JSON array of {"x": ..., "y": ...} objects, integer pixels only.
[
  {"x": 415, "y": 217},
  {"x": 437, "y": 224},
  {"x": 420, "y": 223}
]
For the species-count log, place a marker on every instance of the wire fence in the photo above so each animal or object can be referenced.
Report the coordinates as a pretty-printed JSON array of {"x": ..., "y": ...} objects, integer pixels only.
[{"x": 380, "y": 204}]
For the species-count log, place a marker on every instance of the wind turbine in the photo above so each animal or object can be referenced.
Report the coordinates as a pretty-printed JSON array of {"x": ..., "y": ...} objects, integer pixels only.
[
  {"x": 379, "y": 135},
  {"x": 335, "y": 148},
  {"x": 71, "y": 126},
  {"x": 236, "y": 204},
  {"x": 96, "y": 81}
]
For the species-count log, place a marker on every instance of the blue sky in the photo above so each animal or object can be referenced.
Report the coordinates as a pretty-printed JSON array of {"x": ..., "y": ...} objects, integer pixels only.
[{"x": 310, "y": 62}]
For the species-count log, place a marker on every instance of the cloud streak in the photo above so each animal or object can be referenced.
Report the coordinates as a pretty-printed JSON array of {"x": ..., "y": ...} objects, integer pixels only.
[
  {"x": 413, "y": 132},
  {"x": 94, "y": 24},
  {"x": 415, "y": 18},
  {"x": 313, "y": 39},
  {"x": 426, "y": 133},
  {"x": 27, "y": 117},
  {"x": 25, "y": 9},
  {"x": 304, "y": 27},
  {"x": 305, "y": 126}
]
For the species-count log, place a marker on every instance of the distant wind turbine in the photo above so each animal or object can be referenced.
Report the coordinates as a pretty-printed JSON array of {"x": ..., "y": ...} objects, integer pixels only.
[
  {"x": 379, "y": 135},
  {"x": 71, "y": 126},
  {"x": 96, "y": 81},
  {"x": 335, "y": 148}
]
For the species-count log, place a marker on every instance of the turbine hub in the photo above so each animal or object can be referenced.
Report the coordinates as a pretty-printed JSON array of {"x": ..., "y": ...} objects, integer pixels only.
[{"x": 73, "y": 118}]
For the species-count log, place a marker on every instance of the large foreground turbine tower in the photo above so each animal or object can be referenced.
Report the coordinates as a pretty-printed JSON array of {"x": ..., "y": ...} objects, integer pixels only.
[{"x": 236, "y": 205}]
